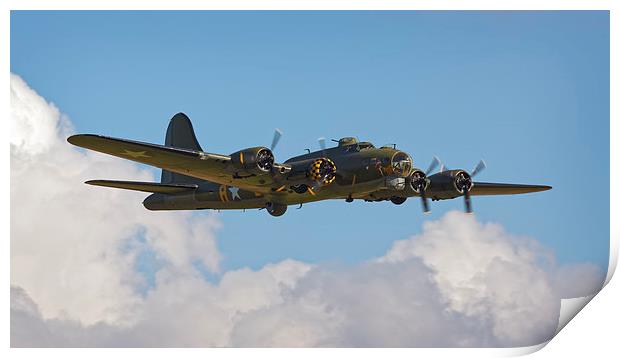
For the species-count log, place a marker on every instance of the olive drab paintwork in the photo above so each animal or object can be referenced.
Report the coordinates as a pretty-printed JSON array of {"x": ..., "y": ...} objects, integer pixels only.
[{"x": 251, "y": 179}]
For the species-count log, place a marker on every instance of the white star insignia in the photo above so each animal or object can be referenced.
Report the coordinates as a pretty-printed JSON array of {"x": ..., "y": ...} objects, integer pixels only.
[
  {"x": 234, "y": 191},
  {"x": 141, "y": 154}
]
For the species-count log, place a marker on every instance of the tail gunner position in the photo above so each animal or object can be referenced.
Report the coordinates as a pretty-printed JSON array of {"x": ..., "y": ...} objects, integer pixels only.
[{"x": 251, "y": 179}]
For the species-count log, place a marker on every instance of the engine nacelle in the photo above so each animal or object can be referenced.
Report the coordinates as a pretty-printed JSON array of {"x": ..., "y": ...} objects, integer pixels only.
[
  {"x": 449, "y": 184},
  {"x": 255, "y": 160}
]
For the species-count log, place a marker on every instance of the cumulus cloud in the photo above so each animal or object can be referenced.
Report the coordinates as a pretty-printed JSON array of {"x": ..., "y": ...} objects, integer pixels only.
[
  {"x": 458, "y": 283},
  {"x": 183, "y": 311},
  {"x": 64, "y": 251}
]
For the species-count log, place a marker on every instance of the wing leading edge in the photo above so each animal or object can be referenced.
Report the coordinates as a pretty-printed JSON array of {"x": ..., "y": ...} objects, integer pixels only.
[{"x": 480, "y": 188}]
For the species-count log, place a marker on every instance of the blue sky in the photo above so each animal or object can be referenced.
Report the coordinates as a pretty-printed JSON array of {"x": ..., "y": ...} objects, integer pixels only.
[{"x": 526, "y": 91}]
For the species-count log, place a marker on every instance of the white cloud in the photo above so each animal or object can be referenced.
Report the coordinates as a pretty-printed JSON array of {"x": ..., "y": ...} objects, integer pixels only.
[
  {"x": 487, "y": 273},
  {"x": 67, "y": 237},
  {"x": 74, "y": 282}
]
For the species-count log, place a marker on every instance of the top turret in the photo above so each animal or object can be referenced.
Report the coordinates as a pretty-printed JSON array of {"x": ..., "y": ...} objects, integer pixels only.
[{"x": 342, "y": 142}]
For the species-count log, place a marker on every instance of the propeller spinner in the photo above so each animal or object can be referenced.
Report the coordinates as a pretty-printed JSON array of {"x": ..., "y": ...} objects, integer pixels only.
[
  {"x": 464, "y": 183},
  {"x": 419, "y": 182}
]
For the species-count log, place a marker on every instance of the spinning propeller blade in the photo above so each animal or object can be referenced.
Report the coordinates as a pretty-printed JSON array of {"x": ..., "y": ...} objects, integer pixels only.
[
  {"x": 434, "y": 163},
  {"x": 467, "y": 200},
  {"x": 466, "y": 195},
  {"x": 480, "y": 167},
  {"x": 322, "y": 144},
  {"x": 277, "y": 134},
  {"x": 424, "y": 199}
]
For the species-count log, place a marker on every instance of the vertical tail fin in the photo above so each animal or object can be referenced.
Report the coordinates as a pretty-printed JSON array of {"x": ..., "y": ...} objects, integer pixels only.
[{"x": 180, "y": 134}]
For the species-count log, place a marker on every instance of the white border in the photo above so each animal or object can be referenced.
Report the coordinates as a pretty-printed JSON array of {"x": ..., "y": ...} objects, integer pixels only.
[
  {"x": 312, "y": 5},
  {"x": 594, "y": 329}
]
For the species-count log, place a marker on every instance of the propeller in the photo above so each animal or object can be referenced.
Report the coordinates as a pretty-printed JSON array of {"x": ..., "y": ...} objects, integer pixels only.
[
  {"x": 424, "y": 199},
  {"x": 434, "y": 163},
  {"x": 467, "y": 200},
  {"x": 418, "y": 183},
  {"x": 479, "y": 167},
  {"x": 277, "y": 134},
  {"x": 322, "y": 145},
  {"x": 464, "y": 181}
]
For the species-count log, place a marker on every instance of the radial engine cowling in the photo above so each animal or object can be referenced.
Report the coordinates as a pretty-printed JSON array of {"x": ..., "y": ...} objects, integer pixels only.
[
  {"x": 418, "y": 181},
  {"x": 322, "y": 170},
  {"x": 255, "y": 160},
  {"x": 462, "y": 181}
]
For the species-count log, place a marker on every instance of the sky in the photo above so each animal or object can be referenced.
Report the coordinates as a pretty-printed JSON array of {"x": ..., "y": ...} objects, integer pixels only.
[{"x": 528, "y": 92}]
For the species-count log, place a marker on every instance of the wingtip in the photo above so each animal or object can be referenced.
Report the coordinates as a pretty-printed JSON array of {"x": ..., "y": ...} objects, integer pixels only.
[
  {"x": 76, "y": 138},
  {"x": 72, "y": 139},
  {"x": 539, "y": 188}
]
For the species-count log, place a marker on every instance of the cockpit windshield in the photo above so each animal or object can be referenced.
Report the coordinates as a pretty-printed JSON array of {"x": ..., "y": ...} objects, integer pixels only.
[
  {"x": 402, "y": 163},
  {"x": 365, "y": 145}
]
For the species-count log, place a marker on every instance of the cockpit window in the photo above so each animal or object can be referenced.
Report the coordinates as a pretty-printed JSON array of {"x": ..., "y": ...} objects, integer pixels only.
[
  {"x": 365, "y": 145},
  {"x": 402, "y": 163}
]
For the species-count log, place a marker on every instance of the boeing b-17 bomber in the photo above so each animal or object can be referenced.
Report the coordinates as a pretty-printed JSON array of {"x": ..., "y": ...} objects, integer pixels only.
[{"x": 251, "y": 179}]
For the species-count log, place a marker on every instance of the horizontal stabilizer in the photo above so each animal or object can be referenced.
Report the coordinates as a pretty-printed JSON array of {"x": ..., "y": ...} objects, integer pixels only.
[{"x": 144, "y": 186}]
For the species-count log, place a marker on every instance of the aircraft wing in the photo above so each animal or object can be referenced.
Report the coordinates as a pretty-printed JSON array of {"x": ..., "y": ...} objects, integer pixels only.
[
  {"x": 198, "y": 164},
  {"x": 143, "y": 186},
  {"x": 505, "y": 189}
]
